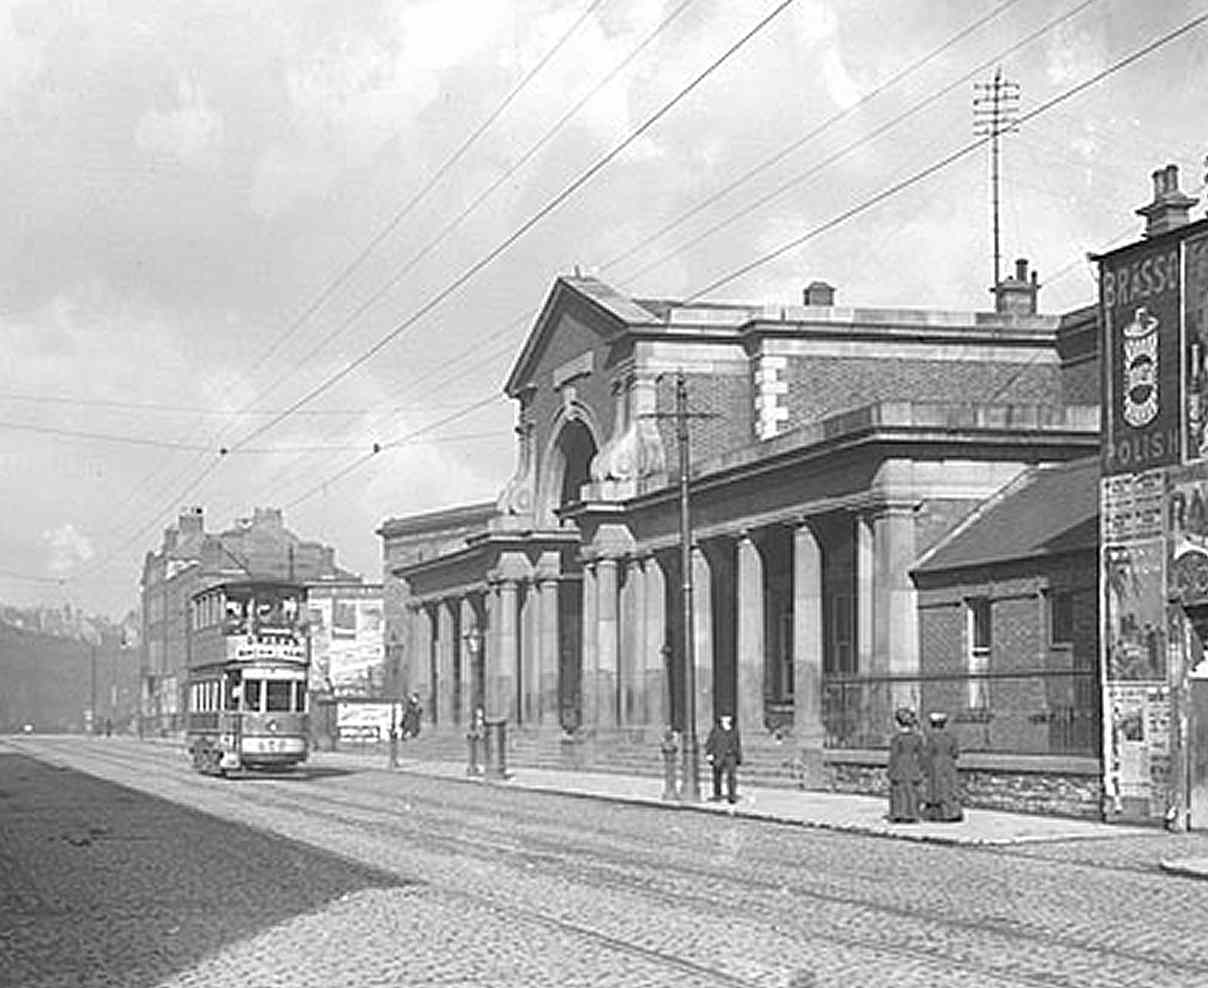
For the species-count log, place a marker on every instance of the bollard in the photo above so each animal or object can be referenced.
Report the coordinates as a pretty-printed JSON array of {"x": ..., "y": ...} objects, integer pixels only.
[
  {"x": 669, "y": 750},
  {"x": 497, "y": 748},
  {"x": 473, "y": 766}
]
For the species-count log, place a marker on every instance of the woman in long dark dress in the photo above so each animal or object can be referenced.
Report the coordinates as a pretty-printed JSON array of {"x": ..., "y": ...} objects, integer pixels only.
[
  {"x": 905, "y": 769},
  {"x": 940, "y": 754}
]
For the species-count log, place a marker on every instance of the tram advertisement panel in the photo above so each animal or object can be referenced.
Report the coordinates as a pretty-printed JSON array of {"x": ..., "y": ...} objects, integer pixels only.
[{"x": 1140, "y": 294}]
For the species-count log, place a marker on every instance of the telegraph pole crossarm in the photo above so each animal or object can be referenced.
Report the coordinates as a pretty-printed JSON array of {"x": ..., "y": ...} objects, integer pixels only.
[
  {"x": 994, "y": 114},
  {"x": 690, "y": 790}
]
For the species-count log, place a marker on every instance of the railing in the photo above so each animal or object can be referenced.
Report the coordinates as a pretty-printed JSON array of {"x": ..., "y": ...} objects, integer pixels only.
[{"x": 1041, "y": 712}]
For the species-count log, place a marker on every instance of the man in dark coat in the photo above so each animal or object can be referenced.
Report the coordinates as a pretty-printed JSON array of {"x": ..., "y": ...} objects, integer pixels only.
[
  {"x": 939, "y": 758},
  {"x": 412, "y": 716},
  {"x": 724, "y": 751},
  {"x": 905, "y": 769}
]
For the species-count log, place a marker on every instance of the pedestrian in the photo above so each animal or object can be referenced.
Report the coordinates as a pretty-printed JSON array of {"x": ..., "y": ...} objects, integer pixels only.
[
  {"x": 940, "y": 753},
  {"x": 477, "y": 738},
  {"x": 108, "y": 727},
  {"x": 905, "y": 768},
  {"x": 412, "y": 717},
  {"x": 724, "y": 751}
]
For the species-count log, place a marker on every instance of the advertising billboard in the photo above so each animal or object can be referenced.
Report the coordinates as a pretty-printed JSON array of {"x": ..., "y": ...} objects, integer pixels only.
[
  {"x": 1141, "y": 295},
  {"x": 347, "y": 655}
]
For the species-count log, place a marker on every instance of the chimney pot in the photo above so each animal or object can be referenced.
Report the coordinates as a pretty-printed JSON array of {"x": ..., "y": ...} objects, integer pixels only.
[
  {"x": 1017, "y": 295},
  {"x": 1170, "y": 206},
  {"x": 819, "y": 293},
  {"x": 1021, "y": 269}
]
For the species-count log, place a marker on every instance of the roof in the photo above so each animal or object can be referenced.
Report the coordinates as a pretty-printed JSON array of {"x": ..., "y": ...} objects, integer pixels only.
[
  {"x": 473, "y": 515},
  {"x": 1048, "y": 510}
]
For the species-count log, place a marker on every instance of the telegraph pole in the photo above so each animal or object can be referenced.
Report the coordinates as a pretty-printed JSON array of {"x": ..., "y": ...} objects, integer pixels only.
[
  {"x": 994, "y": 112},
  {"x": 690, "y": 789},
  {"x": 690, "y": 792}
]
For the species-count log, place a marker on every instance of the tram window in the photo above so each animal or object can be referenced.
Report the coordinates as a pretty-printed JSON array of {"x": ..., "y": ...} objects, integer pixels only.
[
  {"x": 231, "y": 699},
  {"x": 300, "y": 697},
  {"x": 251, "y": 695},
  {"x": 278, "y": 695}
]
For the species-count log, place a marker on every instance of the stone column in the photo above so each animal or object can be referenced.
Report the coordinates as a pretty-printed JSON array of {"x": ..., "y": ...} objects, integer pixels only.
[
  {"x": 808, "y": 730},
  {"x": 501, "y": 667},
  {"x": 419, "y": 654},
  {"x": 444, "y": 663},
  {"x": 897, "y": 633},
  {"x": 633, "y": 643},
  {"x": 547, "y": 621},
  {"x": 656, "y": 700},
  {"x": 605, "y": 685},
  {"x": 867, "y": 658},
  {"x": 587, "y": 671},
  {"x": 468, "y": 626},
  {"x": 530, "y": 654},
  {"x": 751, "y": 651},
  {"x": 702, "y": 629}
]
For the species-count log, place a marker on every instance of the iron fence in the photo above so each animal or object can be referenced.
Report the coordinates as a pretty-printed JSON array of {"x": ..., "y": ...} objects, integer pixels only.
[{"x": 1037, "y": 712}]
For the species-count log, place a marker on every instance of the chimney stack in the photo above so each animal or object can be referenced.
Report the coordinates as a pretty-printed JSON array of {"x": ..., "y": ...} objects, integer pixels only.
[
  {"x": 1170, "y": 207},
  {"x": 1017, "y": 295},
  {"x": 192, "y": 521},
  {"x": 818, "y": 293}
]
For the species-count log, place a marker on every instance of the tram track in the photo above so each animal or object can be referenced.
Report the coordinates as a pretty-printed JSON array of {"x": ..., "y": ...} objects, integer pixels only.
[
  {"x": 615, "y": 859},
  {"x": 614, "y": 867}
]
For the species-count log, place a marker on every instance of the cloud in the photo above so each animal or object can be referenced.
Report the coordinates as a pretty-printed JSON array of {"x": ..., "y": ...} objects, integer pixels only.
[
  {"x": 1074, "y": 54},
  {"x": 191, "y": 130},
  {"x": 21, "y": 54},
  {"x": 68, "y": 549}
]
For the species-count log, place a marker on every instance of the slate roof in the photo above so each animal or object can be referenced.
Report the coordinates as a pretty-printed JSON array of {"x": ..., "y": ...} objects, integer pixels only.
[{"x": 1050, "y": 509}]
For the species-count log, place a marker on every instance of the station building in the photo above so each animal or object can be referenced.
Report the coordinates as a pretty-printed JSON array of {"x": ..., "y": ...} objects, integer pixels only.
[{"x": 832, "y": 449}]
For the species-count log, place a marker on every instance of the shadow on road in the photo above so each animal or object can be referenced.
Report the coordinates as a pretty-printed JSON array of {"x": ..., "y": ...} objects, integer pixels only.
[{"x": 104, "y": 885}]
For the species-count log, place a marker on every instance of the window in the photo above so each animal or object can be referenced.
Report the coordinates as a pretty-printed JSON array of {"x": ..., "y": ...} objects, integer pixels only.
[
  {"x": 843, "y": 652},
  {"x": 978, "y": 636},
  {"x": 251, "y": 695},
  {"x": 1061, "y": 617},
  {"x": 279, "y": 692}
]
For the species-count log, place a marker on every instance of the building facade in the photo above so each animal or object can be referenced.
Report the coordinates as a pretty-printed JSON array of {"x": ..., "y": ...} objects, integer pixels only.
[
  {"x": 830, "y": 446},
  {"x": 190, "y": 559}
]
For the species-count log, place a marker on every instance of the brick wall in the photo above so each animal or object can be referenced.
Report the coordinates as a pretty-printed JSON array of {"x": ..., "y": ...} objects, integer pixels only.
[
  {"x": 1049, "y": 793},
  {"x": 727, "y": 397},
  {"x": 819, "y": 386}
]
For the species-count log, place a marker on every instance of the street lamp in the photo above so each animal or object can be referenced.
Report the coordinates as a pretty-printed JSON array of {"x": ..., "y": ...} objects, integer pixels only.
[{"x": 473, "y": 639}]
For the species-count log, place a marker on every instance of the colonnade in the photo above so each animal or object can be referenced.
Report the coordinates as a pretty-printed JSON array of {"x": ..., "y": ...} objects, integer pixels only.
[{"x": 596, "y": 644}]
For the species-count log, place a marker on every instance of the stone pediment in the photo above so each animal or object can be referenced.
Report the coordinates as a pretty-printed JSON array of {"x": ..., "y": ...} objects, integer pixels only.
[{"x": 578, "y": 313}]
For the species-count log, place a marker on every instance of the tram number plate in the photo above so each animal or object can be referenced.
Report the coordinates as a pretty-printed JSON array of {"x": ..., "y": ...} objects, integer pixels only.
[{"x": 273, "y": 744}]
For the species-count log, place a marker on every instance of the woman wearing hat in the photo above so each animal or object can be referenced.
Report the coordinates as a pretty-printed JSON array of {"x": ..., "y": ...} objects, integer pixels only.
[
  {"x": 939, "y": 757},
  {"x": 905, "y": 769}
]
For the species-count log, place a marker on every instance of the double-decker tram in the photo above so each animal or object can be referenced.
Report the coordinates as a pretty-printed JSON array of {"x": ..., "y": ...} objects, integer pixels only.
[{"x": 248, "y": 663}]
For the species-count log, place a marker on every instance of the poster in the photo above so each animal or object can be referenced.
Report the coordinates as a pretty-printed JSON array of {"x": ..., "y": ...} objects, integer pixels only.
[
  {"x": 1135, "y": 626},
  {"x": 1188, "y": 525},
  {"x": 1131, "y": 735},
  {"x": 346, "y": 640},
  {"x": 367, "y": 722},
  {"x": 1140, "y": 295},
  {"x": 1195, "y": 321},
  {"x": 1132, "y": 506}
]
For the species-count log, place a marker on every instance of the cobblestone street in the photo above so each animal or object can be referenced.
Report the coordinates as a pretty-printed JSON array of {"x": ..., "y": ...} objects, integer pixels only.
[{"x": 393, "y": 879}]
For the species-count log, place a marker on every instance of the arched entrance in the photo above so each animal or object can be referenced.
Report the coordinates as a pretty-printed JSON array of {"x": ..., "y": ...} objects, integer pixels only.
[{"x": 567, "y": 469}]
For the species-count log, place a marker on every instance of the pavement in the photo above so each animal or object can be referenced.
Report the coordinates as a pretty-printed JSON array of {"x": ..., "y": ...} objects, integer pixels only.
[{"x": 848, "y": 812}]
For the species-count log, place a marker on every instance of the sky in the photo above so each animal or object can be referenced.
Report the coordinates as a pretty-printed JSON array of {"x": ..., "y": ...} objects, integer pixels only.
[{"x": 258, "y": 227}]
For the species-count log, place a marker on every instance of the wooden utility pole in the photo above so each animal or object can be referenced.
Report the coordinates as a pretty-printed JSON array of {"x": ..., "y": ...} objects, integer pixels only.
[{"x": 690, "y": 787}]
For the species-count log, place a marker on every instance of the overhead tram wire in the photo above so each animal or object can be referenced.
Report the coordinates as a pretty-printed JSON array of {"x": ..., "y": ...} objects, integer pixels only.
[
  {"x": 342, "y": 277},
  {"x": 949, "y": 159},
  {"x": 566, "y": 193},
  {"x": 469, "y": 273},
  {"x": 813, "y": 170},
  {"x": 897, "y": 77},
  {"x": 813, "y": 133},
  {"x": 401, "y": 214},
  {"x": 797, "y": 143},
  {"x": 498, "y": 183},
  {"x": 926, "y": 172}
]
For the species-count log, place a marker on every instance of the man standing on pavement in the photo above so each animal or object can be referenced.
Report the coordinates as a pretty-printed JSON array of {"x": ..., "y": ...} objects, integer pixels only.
[{"x": 724, "y": 751}]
